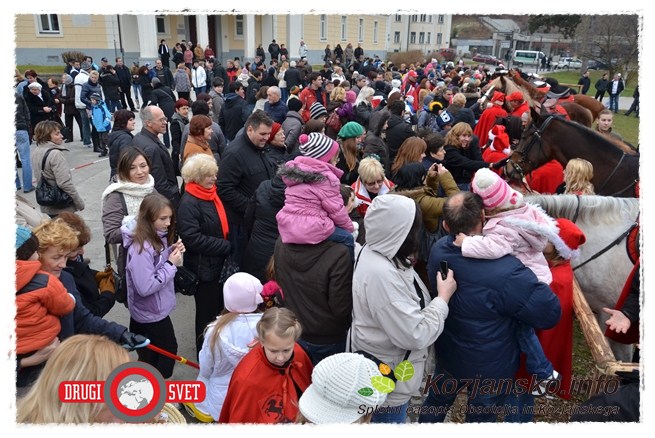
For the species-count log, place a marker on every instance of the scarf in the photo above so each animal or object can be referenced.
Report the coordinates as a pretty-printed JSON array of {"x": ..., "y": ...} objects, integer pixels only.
[
  {"x": 198, "y": 191},
  {"x": 133, "y": 193}
]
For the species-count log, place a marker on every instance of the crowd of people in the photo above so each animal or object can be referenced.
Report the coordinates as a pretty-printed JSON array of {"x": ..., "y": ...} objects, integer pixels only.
[{"x": 359, "y": 217}]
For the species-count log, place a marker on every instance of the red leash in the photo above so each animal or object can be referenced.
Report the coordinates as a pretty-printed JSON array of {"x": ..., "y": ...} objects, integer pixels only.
[{"x": 173, "y": 356}]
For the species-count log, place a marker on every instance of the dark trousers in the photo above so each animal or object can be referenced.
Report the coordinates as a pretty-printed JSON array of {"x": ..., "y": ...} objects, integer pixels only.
[
  {"x": 162, "y": 335},
  {"x": 239, "y": 239},
  {"x": 599, "y": 95},
  {"x": 342, "y": 236},
  {"x": 69, "y": 123},
  {"x": 113, "y": 105},
  {"x": 184, "y": 95},
  {"x": 634, "y": 107},
  {"x": 209, "y": 304},
  {"x": 318, "y": 352},
  {"x": 126, "y": 97}
]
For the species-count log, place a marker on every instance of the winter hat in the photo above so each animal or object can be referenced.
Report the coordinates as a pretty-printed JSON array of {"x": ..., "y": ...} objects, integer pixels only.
[
  {"x": 341, "y": 387},
  {"x": 351, "y": 130},
  {"x": 435, "y": 106},
  {"x": 500, "y": 139},
  {"x": 317, "y": 110},
  {"x": 26, "y": 243},
  {"x": 294, "y": 105},
  {"x": 494, "y": 191},
  {"x": 515, "y": 96},
  {"x": 319, "y": 146},
  {"x": 242, "y": 293},
  {"x": 568, "y": 239},
  {"x": 35, "y": 85},
  {"x": 95, "y": 96},
  {"x": 412, "y": 74},
  {"x": 351, "y": 96},
  {"x": 274, "y": 130},
  {"x": 445, "y": 118},
  {"x": 498, "y": 98},
  {"x": 155, "y": 81},
  {"x": 295, "y": 89},
  {"x": 395, "y": 83}
]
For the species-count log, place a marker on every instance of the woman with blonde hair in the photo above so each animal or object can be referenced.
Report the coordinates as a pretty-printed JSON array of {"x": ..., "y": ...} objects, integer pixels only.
[
  {"x": 411, "y": 151},
  {"x": 363, "y": 105},
  {"x": 370, "y": 183},
  {"x": 282, "y": 83},
  {"x": 78, "y": 358},
  {"x": 577, "y": 177}
]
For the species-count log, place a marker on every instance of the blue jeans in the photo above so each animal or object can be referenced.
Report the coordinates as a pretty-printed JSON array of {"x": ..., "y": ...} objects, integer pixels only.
[
  {"x": 23, "y": 148},
  {"x": 342, "y": 236},
  {"x": 86, "y": 128},
  {"x": 284, "y": 94},
  {"x": 391, "y": 414},
  {"x": 522, "y": 408},
  {"x": 137, "y": 91},
  {"x": 614, "y": 103},
  {"x": 317, "y": 352},
  {"x": 536, "y": 361}
]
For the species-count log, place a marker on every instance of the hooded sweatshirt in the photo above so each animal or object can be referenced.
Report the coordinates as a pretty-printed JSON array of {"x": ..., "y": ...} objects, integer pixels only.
[{"x": 387, "y": 317}]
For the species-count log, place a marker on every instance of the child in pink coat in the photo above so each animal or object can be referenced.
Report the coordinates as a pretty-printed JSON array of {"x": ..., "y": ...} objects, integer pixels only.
[
  {"x": 313, "y": 209},
  {"x": 347, "y": 110}
]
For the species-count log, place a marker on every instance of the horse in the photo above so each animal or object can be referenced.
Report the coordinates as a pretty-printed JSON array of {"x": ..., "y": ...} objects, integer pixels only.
[
  {"x": 549, "y": 137},
  {"x": 605, "y": 222}
]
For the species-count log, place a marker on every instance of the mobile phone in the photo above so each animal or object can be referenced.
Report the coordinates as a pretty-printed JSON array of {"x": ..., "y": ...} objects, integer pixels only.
[{"x": 443, "y": 268}]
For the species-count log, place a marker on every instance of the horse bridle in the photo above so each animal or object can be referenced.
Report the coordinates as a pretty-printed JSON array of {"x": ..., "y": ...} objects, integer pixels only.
[{"x": 535, "y": 138}]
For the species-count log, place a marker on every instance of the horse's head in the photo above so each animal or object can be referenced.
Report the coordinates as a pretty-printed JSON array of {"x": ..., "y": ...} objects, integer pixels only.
[{"x": 529, "y": 153}]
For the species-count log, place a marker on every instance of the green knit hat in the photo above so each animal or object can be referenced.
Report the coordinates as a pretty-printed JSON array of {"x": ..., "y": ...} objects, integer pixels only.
[{"x": 351, "y": 130}]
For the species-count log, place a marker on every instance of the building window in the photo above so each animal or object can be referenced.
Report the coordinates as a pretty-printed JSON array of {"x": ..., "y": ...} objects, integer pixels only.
[
  {"x": 49, "y": 24},
  {"x": 238, "y": 22},
  {"x": 396, "y": 37},
  {"x": 161, "y": 24},
  {"x": 344, "y": 28},
  {"x": 429, "y": 38},
  {"x": 439, "y": 38},
  {"x": 421, "y": 37},
  {"x": 361, "y": 30},
  {"x": 430, "y": 18},
  {"x": 440, "y": 20},
  {"x": 424, "y": 18},
  {"x": 398, "y": 18},
  {"x": 414, "y": 18},
  {"x": 375, "y": 31},
  {"x": 323, "y": 27},
  {"x": 412, "y": 38}
]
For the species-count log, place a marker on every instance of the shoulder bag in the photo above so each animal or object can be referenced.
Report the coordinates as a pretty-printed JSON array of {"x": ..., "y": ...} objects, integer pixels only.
[{"x": 51, "y": 195}]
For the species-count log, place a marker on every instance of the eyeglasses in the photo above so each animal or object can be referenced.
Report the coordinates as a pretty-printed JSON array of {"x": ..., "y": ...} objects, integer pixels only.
[
  {"x": 374, "y": 183},
  {"x": 162, "y": 120}
]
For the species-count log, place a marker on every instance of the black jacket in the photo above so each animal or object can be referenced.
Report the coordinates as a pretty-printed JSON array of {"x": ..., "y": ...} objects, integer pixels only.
[
  {"x": 260, "y": 219},
  {"x": 397, "y": 132},
  {"x": 233, "y": 115},
  {"x": 462, "y": 163},
  {"x": 37, "y": 105},
  {"x": 293, "y": 77},
  {"x": 163, "y": 97},
  {"x": 165, "y": 77},
  {"x": 200, "y": 229},
  {"x": 98, "y": 302},
  {"x": 69, "y": 99},
  {"x": 110, "y": 85},
  {"x": 161, "y": 165},
  {"x": 22, "y": 116},
  {"x": 117, "y": 141},
  {"x": 244, "y": 167},
  {"x": 374, "y": 145},
  {"x": 124, "y": 77}
]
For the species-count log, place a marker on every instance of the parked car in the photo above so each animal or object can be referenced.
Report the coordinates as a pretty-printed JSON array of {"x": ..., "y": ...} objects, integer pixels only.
[
  {"x": 568, "y": 63},
  {"x": 487, "y": 59},
  {"x": 596, "y": 65}
]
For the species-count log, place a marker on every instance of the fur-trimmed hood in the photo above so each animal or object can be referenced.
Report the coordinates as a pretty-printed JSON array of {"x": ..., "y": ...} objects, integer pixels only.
[{"x": 306, "y": 170}]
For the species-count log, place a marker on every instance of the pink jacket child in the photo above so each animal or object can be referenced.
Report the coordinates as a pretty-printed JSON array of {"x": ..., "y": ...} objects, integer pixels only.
[
  {"x": 347, "y": 110},
  {"x": 512, "y": 227},
  {"x": 313, "y": 205}
]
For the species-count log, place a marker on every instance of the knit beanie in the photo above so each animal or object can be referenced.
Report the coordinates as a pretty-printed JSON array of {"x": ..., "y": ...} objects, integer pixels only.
[
  {"x": 319, "y": 146},
  {"x": 294, "y": 90},
  {"x": 294, "y": 105},
  {"x": 242, "y": 293},
  {"x": 274, "y": 130},
  {"x": 341, "y": 387},
  {"x": 445, "y": 118},
  {"x": 26, "y": 243},
  {"x": 351, "y": 130},
  {"x": 317, "y": 110},
  {"x": 494, "y": 191},
  {"x": 351, "y": 96}
]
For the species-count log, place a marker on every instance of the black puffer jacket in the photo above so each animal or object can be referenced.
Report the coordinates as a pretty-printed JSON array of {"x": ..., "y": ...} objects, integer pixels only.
[
  {"x": 110, "y": 85},
  {"x": 397, "y": 132},
  {"x": 117, "y": 141},
  {"x": 260, "y": 218},
  {"x": 200, "y": 229},
  {"x": 97, "y": 301},
  {"x": 233, "y": 115},
  {"x": 163, "y": 97}
]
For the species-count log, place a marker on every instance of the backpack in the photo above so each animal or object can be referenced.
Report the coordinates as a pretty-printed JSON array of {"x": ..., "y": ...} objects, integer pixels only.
[{"x": 333, "y": 121}]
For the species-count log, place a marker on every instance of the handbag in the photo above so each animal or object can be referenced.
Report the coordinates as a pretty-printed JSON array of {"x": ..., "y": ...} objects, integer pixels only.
[
  {"x": 186, "y": 281},
  {"x": 230, "y": 267},
  {"x": 334, "y": 121},
  {"x": 51, "y": 195},
  {"x": 120, "y": 293}
]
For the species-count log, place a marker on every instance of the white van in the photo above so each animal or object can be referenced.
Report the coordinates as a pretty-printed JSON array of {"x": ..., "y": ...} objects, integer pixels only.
[{"x": 527, "y": 57}]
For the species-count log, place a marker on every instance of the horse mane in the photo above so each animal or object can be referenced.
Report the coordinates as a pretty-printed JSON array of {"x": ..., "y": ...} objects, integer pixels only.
[
  {"x": 592, "y": 209},
  {"x": 508, "y": 86}
]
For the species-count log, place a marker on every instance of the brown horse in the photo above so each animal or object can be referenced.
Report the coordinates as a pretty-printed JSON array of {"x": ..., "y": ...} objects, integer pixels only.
[{"x": 549, "y": 137}]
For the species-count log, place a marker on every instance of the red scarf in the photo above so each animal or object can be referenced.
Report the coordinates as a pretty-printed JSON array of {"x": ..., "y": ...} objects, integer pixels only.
[{"x": 198, "y": 191}]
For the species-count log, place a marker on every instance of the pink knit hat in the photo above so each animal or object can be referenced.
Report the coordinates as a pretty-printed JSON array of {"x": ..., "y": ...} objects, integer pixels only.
[{"x": 494, "y": 191}]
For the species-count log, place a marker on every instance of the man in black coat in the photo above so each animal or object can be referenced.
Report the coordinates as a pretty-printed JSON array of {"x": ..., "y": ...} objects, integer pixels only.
[
  {"x": 161, "y": 165},
  {"x": 163, "y": 97},
  {"x": 220, "y": 72},
  {"x": 397, "y": 129},
  {"x": 585, "y": 82},
  {"x": 234, "y": 112},
  {"x": 293, "y": 76},
  {"x": 164, "y": 74},
  {"x": 274, "y": 50},
  {"x": 125, "y": 79},
  {"x": 244, "y": 166},
  {"x": 164, "y": 54}
]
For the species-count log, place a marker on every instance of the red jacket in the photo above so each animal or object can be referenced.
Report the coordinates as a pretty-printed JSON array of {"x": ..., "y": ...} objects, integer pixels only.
[
  {"x": 545, "y": 179},
  {"x": 518, "y": 112},
  {"x": 40, "y": 300},
  {"x": 260, "y": 392},
  {"x": 308, "y": 97},
  {"x": 487, "y": 121},
  {"x": 362, "y": 197}
]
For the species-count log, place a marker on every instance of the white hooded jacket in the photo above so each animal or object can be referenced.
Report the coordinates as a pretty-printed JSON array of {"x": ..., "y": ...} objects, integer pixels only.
[{"x": 387, "y": 317}]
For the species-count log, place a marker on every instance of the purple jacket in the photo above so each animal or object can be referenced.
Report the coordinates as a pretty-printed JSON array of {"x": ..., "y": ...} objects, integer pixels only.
[
  {"x": 346, "y": 110},
  {"x": 313, "y": 205},
  {"x": 150, "y": 288}
]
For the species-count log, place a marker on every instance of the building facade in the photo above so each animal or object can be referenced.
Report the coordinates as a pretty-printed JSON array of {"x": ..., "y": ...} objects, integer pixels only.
[{"x": 424, "y": 32}]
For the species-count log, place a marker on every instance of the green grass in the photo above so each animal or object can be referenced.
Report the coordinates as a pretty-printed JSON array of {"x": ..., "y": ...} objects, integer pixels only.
[
  {"x": 572, "y": 76},
  {"x": 42, "y": 69}
]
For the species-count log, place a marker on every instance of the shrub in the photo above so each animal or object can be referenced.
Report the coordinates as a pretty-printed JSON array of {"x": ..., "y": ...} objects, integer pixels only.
[
  {"x": 73, "y": 55},
  {"x": 412, "y": 57}
]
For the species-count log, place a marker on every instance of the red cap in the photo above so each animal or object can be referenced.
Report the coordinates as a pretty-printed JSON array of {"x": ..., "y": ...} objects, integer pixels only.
[{"x": 517, "y": 95}]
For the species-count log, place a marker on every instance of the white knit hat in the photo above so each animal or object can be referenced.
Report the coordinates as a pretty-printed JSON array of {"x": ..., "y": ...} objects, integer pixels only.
[{"x": 338, "y": 391}]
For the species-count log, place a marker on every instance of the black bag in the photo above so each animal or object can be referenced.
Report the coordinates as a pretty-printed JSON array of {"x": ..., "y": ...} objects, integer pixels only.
[
  {"x": 186, "y": 281},
  {"x": 428, "y": 239},
  {"x": 51, "y": 195},
  {"x": 120, "y": 293},
  {"x": 230, "y": 267}
]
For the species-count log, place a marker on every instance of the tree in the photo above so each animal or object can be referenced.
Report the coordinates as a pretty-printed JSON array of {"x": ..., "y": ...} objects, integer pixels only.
[{"x": 566, "y": 24}]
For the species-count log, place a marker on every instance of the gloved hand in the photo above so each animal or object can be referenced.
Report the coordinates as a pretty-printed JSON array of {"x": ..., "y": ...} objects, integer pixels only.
[
  {"x": 105, "y": 280},
  {"x": 132, "y": 341},
  {"x": 500, "y": 163}
]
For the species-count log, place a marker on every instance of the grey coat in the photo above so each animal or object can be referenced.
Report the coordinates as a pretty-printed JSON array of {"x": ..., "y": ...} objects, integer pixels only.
[{"x": 56, "y": 172}]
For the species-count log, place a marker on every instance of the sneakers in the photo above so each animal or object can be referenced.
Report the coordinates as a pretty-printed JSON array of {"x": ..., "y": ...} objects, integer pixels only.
[
  {"x": 195, "y": 413},
  {"x": 547, "y": 387}
]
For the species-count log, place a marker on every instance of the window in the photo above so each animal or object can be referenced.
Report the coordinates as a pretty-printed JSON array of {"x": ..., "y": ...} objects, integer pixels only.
[
  {"x": 440, "y": 19},
  {"x": 238, "y": 22},
  {"x": 398, "y": 18},
  {"x": 344, "y": 27},
  {"x": 375, "y": 31},
  {"x": 361, "y": 30},
  {"x": 396, "y": 37},
  {"x": 414, "y": 18},
  {"x": 421, "y": 38},
  {"x": 49, "y": 24},
  {"x": 439, "y": 38},
  {"x": 430, "y": 18},
  {"x": 429, "y": 38},
  {"x": 424, "y": 18},
  {"x": 323, "y": 27},
  {"x": 161, "y": 24},
  {"x": 412, "y": 38}
]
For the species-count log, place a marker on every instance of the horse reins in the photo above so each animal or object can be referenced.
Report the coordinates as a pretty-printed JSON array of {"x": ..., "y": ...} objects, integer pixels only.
[
  {"x": 536, "y": 137},
  {"x": 613, "y": 243}
]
